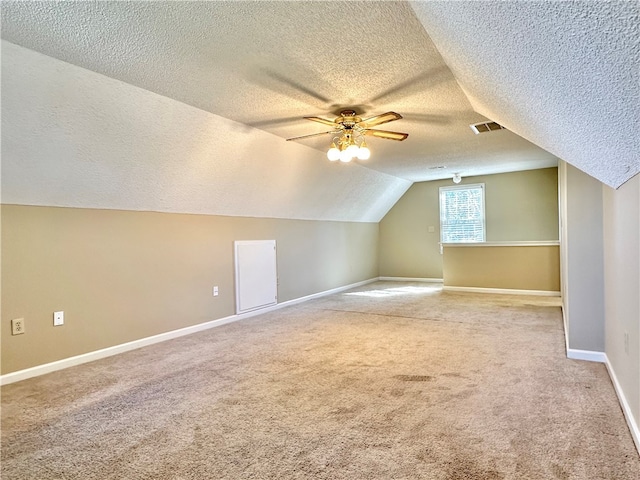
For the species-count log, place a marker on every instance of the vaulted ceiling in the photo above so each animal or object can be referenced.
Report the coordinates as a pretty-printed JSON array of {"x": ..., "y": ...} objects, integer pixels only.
[{"x": 185, "y": 106}]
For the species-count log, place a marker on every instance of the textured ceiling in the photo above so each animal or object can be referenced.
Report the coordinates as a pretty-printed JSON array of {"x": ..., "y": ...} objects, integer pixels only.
[
  {"x": 74, "y": 138},
  {"x": 268, "y": 64},
  {"x": 565, "y": 75},
  {"x": 105, "y": 103}
]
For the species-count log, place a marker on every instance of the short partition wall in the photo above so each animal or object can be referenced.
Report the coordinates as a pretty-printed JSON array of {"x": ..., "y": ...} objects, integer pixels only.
[{"x": 516, "y": 266}]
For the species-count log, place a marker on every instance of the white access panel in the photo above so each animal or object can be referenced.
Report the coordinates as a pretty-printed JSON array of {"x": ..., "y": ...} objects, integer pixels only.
[{"x": 256, "y": 274}]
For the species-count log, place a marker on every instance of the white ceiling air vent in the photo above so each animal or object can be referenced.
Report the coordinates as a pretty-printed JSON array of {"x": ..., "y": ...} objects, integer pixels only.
[{"x": 484, "y": 127}]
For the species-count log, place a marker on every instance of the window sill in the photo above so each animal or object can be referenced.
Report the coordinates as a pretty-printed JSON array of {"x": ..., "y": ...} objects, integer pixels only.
[{"x": 544, "y": 243}]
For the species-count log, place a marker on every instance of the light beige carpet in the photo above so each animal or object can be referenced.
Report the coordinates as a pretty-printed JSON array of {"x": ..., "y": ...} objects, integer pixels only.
[{"x": 393, "y": 381}]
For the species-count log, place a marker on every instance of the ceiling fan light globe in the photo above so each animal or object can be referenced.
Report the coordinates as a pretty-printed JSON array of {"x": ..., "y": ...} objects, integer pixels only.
[
  {"x": 353, "y": 150},
  {"x": 333, "y": 154},
  {"x": 345, "y": 156},
  {"x": 364, "y": 153}
]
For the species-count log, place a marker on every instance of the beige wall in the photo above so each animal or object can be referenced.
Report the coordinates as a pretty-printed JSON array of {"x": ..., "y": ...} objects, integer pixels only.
[
  {"x": 622, "y": 288},
  {"x": 121, "y": 275},
  {"x": 601, "y": 275},
  {"x": 582, "y": 251},
  {"x": 520, "y": 206},
  {"x": 508, "y": 267}
]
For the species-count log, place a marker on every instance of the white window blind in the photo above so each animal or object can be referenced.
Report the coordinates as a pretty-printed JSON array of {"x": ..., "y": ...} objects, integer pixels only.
[{"x": 462, "y": 214}]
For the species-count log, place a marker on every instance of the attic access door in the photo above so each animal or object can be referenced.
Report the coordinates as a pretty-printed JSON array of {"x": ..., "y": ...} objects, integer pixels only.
[{"x": 256, "y": 275}]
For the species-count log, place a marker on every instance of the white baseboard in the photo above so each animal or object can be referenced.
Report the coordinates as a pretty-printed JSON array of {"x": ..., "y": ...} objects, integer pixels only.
[
  {"x": 601, "y": 357},
  {"x": 634, "y": 428},
  {"x": 162, "y": 337},
  {"x": 588, "y": 355},
  {"x": 322, "y": 294},
  {"x": 410, "y": 279},
  {"x": 503, "y": 291},
  {"x": 116, "y": 349}
]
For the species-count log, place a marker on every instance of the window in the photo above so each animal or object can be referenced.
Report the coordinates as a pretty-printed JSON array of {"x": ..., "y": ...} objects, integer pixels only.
[{"x": 462, "y": 214}]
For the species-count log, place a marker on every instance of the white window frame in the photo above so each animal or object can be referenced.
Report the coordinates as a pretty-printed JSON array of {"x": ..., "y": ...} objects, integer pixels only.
[{"x": 484, "y": 216}]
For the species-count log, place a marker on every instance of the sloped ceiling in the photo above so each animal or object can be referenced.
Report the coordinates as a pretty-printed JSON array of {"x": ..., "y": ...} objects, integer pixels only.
[
  {"x": 236, "y": 78},
  {"x": 564, "y": 75},
  {"x": 75, "y": 138}
]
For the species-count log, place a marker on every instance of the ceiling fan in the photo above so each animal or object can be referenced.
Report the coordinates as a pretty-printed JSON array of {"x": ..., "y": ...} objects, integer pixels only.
[{"x": 349, "y": 130}]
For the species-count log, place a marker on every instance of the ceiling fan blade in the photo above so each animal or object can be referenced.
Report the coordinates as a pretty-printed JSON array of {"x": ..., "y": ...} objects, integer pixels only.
[
  {"x": 322, "y": 120},
  {"x": 380, "y": 119},
  {"x": 312, "y": 135},
  {"x": 386, "y": 134}
]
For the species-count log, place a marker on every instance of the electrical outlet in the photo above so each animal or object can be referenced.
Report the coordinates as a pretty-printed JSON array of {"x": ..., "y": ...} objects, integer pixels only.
[
  {"x": 17, "y": 326},
  {"x": 58, "y": 319},
  {"x": 215, "y": 291}
]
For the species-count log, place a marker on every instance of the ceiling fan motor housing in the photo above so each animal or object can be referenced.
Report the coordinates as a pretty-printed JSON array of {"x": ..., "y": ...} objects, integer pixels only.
[
  {"x": 348, "y": 118},
  {"x": 349, "y": 123}
]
